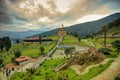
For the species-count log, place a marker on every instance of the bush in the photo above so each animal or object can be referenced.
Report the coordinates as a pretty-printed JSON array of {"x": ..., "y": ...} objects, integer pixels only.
[
  {"x": 106, "y": 51},
  {"x": 116, "y": 44},
  {"x": 117, "y": 77},
  {"x": 13, "y": 59},
  {"x": 17, "y": 54}
]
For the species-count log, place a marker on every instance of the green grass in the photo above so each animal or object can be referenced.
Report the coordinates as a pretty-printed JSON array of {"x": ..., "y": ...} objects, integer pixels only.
[
  {"x": 47, "y": 69},
  {"x": 31, "y": 50},
  {"x": 53, "y": 37},
  {"x": 69, "y": 40}
]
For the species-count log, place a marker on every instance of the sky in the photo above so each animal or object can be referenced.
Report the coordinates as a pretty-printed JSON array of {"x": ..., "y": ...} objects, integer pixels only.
[{"x": 44, "y": 15}]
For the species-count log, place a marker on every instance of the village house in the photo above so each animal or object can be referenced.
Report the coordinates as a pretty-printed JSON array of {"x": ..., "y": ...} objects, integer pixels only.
[{"x": 36, "y": 39}]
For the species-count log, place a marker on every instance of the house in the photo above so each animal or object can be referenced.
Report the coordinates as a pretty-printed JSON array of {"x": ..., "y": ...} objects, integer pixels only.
[
  {"x": 36, "y": 39},
  {"x": 22, "y": 60}
]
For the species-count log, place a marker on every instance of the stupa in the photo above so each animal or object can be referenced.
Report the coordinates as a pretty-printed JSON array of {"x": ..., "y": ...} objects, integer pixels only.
[{"x": 62, "y": 31}]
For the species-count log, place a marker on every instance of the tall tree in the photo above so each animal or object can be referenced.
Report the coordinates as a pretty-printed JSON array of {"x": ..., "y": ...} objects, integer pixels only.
[
  {"x": 7, "y": 43},
  {"x": 1, "y": 44},
  {"x": 1, "y": 61},
  {"x": 116, "y": 44},
  {"x": 17, "y": 41},
  {"x": 104, "y": 30},
  {"x": 79, "y": 39}
]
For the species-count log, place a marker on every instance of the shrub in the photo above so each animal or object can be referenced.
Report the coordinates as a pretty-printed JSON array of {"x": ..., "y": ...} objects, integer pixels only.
[
  {"x": 13, "y": 59},
  {"x": 117, "y": 77},
  {"x": 106, "y": 51},
  {"x": 116, "y": 44},
  {"x": 17, "y": 54}
]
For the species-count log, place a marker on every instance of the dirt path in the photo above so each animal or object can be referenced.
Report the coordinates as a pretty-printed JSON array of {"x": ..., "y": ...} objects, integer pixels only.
[
  {"x": 2, "y": 76},
  {"x": 111, "y": 72},
  {"x": 78, "y": 67}
]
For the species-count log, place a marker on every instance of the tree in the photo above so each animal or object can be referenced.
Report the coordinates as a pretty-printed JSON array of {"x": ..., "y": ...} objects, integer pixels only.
[
  {"x": 69, "y": 50},
  {"x": 104, "y": 30},
  {"x": 116, "y": 44},
  {"x": 7, "y": 43},
  {"x": 79, "y": 39},
  {"x": 44, "y": 36},
  {"x": 75, "y": 34},
  {"x": 17, "y": 54},
  {"x": 17, "y": 41},
  {"x": 31, "y": 71},
  {"x": 106, "y": 51},
  {"x": 13, "y": 59},
  {"x": 1, "y": 61},
  {"x": 42, "y": 50},
  {"x": 1, "y": 44}
]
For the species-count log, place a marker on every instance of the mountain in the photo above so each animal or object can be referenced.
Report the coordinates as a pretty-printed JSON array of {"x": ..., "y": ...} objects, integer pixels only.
[
  {"x": 85, "y": 28},
  {"x": 81, "y": 29},
  {"x": 19, "y": 35}
]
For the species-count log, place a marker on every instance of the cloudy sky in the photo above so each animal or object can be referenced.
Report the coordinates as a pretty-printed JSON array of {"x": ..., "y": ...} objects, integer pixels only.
[{"x": 42, "y": 15}]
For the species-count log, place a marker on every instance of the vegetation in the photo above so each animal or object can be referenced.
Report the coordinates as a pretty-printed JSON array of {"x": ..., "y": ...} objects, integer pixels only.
[
  {"x": 31, "y": 50},
  {"x": 69, "y": 50},
  {"x": 46, "y": 72},
  {"x": 1, "y": 63},
  {"x": 42, "y": 50},
  {"x": 117, "y": 77},
  {"x": 5, "y": 42},
  {"x": 106, "y": 51},
  {"x": 116, "y": 44},
  {"x": 17, "y": 41},
  {"x": 70, "y": 40},
  {"x": 17, "y": 54},
  {"x": 105, "y": 29}
]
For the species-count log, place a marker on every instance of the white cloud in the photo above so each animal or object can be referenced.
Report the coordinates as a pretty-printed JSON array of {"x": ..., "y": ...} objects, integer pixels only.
[
  {"x": 44, "y": 19},
  {"x": 64, "y": 5},
  {"x": 88, "y": 18}
]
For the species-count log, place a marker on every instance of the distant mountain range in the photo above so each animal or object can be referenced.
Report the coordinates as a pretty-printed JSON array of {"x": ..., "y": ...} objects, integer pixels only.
[
  {"x": 85, "y": 28},
  {"x": 19, "y": 35},
  {"x": 81, "y": 29}
]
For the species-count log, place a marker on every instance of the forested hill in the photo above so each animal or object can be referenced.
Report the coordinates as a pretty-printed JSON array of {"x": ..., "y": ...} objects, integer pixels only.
[{"x": 86, "y": 28}]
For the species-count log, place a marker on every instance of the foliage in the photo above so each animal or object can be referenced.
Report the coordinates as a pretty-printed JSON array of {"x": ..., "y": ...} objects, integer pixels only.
[
  {"x": 17, "y": 54},
  {"x": 69, "y": 40},
  {"x": 5, "y": 42},
  {"x": 116, "y": 44},
  {"x": 117, "y": 77},
  {"x": 42, "y": 50},
  {"x": 46, "y": 70},
  {"x": 79, "y": 39},
  {"x": 17, "y": 41},
  {"x": 106, "y": 51},
  {"x": 69, "y": 50},
  {"x": 1, "y": 61},
  {"x": 13, "y": 60}
]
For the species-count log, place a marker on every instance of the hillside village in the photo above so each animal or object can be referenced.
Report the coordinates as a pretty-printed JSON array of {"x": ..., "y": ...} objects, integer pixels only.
[
  {"x": 59, "y": 39},
  {"x": 62, "y": 54}
]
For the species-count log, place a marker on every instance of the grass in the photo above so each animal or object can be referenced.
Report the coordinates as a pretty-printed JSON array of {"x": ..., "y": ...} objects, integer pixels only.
[
  {"x": 46, "y": 70},
  {"x": 53, "y": 37},
  {"x": 31, "y": 50},
  {"x": 35, "y": 52},
  {"x": 69, "y": 40}
]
